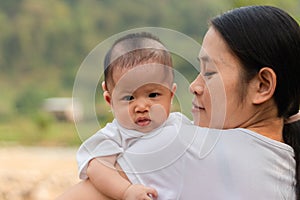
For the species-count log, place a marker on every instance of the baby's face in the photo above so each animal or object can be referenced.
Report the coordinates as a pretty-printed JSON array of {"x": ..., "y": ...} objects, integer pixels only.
[{"x": 141, "y": 98}]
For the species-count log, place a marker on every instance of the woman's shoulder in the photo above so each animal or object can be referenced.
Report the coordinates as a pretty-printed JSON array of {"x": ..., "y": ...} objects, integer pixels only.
[
  {"x": 248, "y": 135},
  {"x": 240, "y": 141}
]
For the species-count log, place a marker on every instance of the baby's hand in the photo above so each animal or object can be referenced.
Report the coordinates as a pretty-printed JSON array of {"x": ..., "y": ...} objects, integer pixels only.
[{"x": 139, "y": 192}]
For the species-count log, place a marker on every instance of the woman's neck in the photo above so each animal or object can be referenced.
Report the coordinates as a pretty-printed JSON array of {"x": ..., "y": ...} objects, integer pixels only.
[
  {"x": 271, "y": 128},
  {"x": 266, "y": 123}
]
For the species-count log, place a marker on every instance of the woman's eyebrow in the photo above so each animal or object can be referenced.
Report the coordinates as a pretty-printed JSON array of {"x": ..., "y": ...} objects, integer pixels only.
[{"x": 204, "y": 58}]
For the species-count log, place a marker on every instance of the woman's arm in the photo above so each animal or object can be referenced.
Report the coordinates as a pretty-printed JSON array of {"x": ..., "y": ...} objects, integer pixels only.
[{"x": 83, "y": 190}]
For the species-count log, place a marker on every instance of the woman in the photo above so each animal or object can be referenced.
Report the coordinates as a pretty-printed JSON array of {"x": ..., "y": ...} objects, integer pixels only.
[{"x": 250, "y": 56}]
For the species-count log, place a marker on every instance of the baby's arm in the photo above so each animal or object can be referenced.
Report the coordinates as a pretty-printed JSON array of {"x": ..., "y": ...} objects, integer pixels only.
[{"x": 108, "y": 181}]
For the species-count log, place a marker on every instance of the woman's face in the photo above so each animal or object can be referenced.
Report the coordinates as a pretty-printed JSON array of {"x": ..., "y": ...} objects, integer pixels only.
[{"x": 217, "y": 90}]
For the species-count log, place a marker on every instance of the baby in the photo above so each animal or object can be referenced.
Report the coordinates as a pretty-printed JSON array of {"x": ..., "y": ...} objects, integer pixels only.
[{"x": 139, "y": 87}]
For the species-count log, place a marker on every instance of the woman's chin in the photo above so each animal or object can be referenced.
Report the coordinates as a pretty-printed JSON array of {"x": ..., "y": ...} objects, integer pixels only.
[{"x": 200, "y": 123}]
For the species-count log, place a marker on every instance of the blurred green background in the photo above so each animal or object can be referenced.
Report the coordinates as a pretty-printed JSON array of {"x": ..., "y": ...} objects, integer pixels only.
[{"x": 44, "y": 42}]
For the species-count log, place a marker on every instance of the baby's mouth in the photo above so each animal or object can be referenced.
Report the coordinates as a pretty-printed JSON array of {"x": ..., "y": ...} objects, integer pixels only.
[{"x": 142, "y": 121}]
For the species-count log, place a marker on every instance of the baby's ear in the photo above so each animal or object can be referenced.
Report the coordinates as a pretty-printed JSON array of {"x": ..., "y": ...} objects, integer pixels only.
[
  {"x": 173, "y": 89},
  {"x": 107, "y": 97},
  {"x": 106, "y": 94},
  {"x": 104, "y": 87}
]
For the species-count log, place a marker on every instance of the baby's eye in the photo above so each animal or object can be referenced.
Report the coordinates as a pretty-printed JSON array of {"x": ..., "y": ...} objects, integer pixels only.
[
  {"x": 154, "y": 94},
  {"x": 128, "y": 98}
]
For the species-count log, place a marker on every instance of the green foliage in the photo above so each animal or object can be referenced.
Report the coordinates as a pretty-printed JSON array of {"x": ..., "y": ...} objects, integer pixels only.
[
  {"x": 43, "y": 121},
  {"x": 29, "y": 101},
  {"x": 43, "y": 43}
]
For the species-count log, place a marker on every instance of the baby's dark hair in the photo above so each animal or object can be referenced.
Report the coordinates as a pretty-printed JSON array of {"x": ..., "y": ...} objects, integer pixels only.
[{"x": 133, "y": 50}]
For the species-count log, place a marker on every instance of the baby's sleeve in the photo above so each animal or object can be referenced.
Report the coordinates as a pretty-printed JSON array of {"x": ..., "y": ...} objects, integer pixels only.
[{"x": 99, "y": 144}]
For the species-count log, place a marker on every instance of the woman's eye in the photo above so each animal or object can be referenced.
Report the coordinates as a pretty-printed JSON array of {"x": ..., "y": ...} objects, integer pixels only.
[
  {"x": 154, "y": 94},
  {"x": 128, "y": 98},
  {"x": 209, "y": 73}
]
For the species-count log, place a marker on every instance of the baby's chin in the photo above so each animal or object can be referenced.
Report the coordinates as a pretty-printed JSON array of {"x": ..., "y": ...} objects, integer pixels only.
[
  {"x": 148, "y": 128},
  {"x": 145, "y": 129}
]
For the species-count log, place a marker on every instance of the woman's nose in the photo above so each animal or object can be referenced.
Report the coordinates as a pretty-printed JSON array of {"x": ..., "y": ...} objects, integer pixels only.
[{"x": 197, "y": 86}]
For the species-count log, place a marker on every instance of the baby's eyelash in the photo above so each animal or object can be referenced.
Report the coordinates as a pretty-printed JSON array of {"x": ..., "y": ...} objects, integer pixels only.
[
  {"x": 128, "y": 98},
  {"x": 154, "y": 94}
]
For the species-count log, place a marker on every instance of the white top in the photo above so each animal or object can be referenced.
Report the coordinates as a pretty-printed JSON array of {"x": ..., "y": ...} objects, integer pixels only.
[
  {"x": 115, "y": 140},
  {"x": 210, "y": 164}
]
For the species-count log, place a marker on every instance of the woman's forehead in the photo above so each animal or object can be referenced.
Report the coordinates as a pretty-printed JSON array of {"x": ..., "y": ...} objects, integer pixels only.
[{"x": 215, "y": 50}]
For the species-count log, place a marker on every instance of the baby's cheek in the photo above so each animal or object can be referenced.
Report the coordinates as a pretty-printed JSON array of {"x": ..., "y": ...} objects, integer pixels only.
[
  {"x": 158, "y": 112},
  {"x": 123, "y": 115}
]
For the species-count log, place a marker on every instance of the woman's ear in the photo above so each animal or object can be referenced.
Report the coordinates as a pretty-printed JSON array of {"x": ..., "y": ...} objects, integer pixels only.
[
  {"x": 264, "y": 85},
  {"x": 106, "y": 94}
]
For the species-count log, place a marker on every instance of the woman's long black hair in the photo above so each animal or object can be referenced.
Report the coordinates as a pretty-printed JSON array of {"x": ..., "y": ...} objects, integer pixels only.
[{"x": 263, "y": 36}]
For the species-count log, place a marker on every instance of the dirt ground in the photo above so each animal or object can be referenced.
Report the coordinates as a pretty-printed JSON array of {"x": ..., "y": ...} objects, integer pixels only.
[{"x": 36, "y": 173}]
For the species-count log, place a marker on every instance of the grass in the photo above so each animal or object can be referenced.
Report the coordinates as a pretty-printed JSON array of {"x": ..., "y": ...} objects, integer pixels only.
[{"x": 26, "y": 131}]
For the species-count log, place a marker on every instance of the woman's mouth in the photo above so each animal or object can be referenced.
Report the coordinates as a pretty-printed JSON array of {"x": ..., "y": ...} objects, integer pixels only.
[
  {"x": 142, "y": 121},
  {"x": 196, "y": 107}
]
